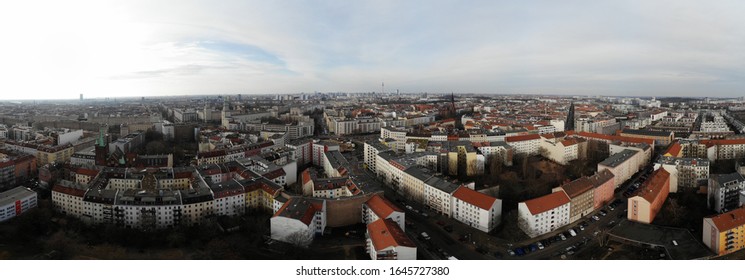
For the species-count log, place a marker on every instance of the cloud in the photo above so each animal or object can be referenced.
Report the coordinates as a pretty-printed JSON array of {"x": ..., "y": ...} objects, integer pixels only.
[{"x": 626, "y": 47}]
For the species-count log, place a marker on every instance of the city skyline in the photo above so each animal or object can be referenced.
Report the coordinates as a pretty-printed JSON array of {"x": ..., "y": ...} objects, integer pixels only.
[{"x": 106, "y": 49}]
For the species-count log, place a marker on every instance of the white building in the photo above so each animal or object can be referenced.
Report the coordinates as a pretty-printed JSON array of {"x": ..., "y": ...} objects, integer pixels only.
[
  {"x": 623, "y": 165},
  {"x": 299, "y": 221},
  {"x": 476, "y": 209},
  {"x": 544, "y": 214},
  {"x": 724, "y": 191},
  {"x": 524, "y": 144},
  {"x": 387, "y": 241},
  {"x": 377, "y": 207},
  {"x": 15, "y": 202}
]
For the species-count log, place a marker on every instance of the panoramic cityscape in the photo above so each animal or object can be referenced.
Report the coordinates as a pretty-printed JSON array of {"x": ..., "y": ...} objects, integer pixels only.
[
  {"x": 301, "y": 139},
  {"x": 376, "y": 175}
]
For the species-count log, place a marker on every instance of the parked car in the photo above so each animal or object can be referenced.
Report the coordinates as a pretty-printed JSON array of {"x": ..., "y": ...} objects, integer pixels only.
[
  {"x": 561, "y": 235},
  {"x": 603, "y": 213},
  {"x": 595, "y": 217},
  {"x": 572, "y": 232},
  {"x": 581, "y": 227},
  {"x": 426, "y": 236},
  {"x": 519, "y": 252},
  {"x": 448, "y": 228},
  {"x": 510, "y": 252},
  {"x": 540, "y": 245}
]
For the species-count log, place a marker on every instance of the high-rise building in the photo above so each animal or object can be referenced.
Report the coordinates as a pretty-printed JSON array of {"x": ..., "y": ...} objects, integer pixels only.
[{"x": 81, "y": 97}]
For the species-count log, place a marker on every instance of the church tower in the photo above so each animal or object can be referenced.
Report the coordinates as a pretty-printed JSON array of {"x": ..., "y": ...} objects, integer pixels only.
[{"x": 102, "y": 147}]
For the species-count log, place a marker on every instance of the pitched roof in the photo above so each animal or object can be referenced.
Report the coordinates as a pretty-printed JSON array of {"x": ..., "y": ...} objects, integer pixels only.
[
  {"x": 729, "y": 220},
  {"x": 578, "y": 187},
  {"x": 386, "y": 233},
  {"x": 674, "y": 150},
  {"x": 381, "y": 206},
  {"x": 546, "y": 202},
  {"x": 522, "y": 138},
  {"x": 653, "y": 187},
  {"x": 474, "y": 198}
]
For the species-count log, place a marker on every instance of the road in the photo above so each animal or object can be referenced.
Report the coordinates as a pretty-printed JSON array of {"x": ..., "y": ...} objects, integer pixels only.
[{"x": 471, "y": 239}]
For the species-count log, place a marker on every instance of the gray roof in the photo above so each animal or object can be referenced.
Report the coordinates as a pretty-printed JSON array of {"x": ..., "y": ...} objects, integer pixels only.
[
  {"x": 726, "y": 178},
  {"x": 12, "y": 195},
  {"x": 441, "y": 184},
  {"x": 337, "y": 159},
  {"x": 616, "y": 159}
]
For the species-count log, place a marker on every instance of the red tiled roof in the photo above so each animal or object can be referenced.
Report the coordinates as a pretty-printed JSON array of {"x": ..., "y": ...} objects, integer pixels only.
[
  {"x": 546, "y": 202},
  {"x": 474, "y": 198},
  {"x": 729, "y": 220},
  {"x": 674, "y": 149},
  {"x": 381, "y": 206},
  {"x": 654, "y": 186},
  {"x": 386, "y": 233},
  {"x": 522, "y": 138},
  {"x": 87, "y": 172}
]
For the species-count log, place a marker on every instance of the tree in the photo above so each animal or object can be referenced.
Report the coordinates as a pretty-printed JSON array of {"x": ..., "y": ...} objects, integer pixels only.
[{"x": 300, "y": 239}]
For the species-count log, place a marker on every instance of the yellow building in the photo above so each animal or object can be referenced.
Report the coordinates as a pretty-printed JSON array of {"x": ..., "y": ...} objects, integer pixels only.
[
  {"x": 725, "y": 233},
  {"x": 54, "y": 154}
]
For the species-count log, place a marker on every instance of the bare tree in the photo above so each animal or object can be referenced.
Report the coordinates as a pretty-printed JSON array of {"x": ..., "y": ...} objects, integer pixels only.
[{"x": 300, "y": 239}]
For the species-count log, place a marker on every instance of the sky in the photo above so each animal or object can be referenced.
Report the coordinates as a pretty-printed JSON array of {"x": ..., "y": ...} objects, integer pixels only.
[{"x": 60, "y": 49}]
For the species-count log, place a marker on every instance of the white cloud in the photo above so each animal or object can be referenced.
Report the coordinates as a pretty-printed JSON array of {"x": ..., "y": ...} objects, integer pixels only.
[{"x": 105, "y": 48}]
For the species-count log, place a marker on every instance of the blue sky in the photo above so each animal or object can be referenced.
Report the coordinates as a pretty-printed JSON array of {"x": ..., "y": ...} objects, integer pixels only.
[{"x": 145, "y": 48}]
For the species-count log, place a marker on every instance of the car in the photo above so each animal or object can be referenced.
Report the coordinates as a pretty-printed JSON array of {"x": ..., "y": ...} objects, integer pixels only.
[
  {"x": 572, "y": 232},
  {"x": 556, "y": 238},
  {"x": 603, "y": 213},
  {"x": 581, "y": 227},
  {"x": 519, "y": 252},
  {"x": 448, "y": 228},
  {"x": 510, "y": 252},
  {"x": 426, "y": 236},
  {"x": 561, "y": 235},
  {"x": 611, "y": 207},
  {"x": 621, "y": 216},
  {"x": 595, "y": 217},
  {"x": 409, "y": 207},
  {"x": 584, "y": 224},
  {"x": 540, "y": 245}
]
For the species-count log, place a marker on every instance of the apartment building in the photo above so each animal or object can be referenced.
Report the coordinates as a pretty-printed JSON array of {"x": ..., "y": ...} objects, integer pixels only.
[
  {"x": 724, "y": 191},
  {"x": 725, "y": 233},
  {"x": 386, "y": 240},
  {"x": 644, "y": 206},
  {"x": 661, "y": 138},
  {"x": 544, "y": 214},
  {"x": 685, "y": 173},
  {"x": 500, "y": 150},
  {"x": 377, "y": 207},
  {"x": 15, "y": 202},
  {"x": 581, "y": 197},
  {"x": 476, "y": 209},
  {"x": 623, "y": 165},
  {"x": 299, "y": 221},
  {"x": 524, "y": 144}
]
